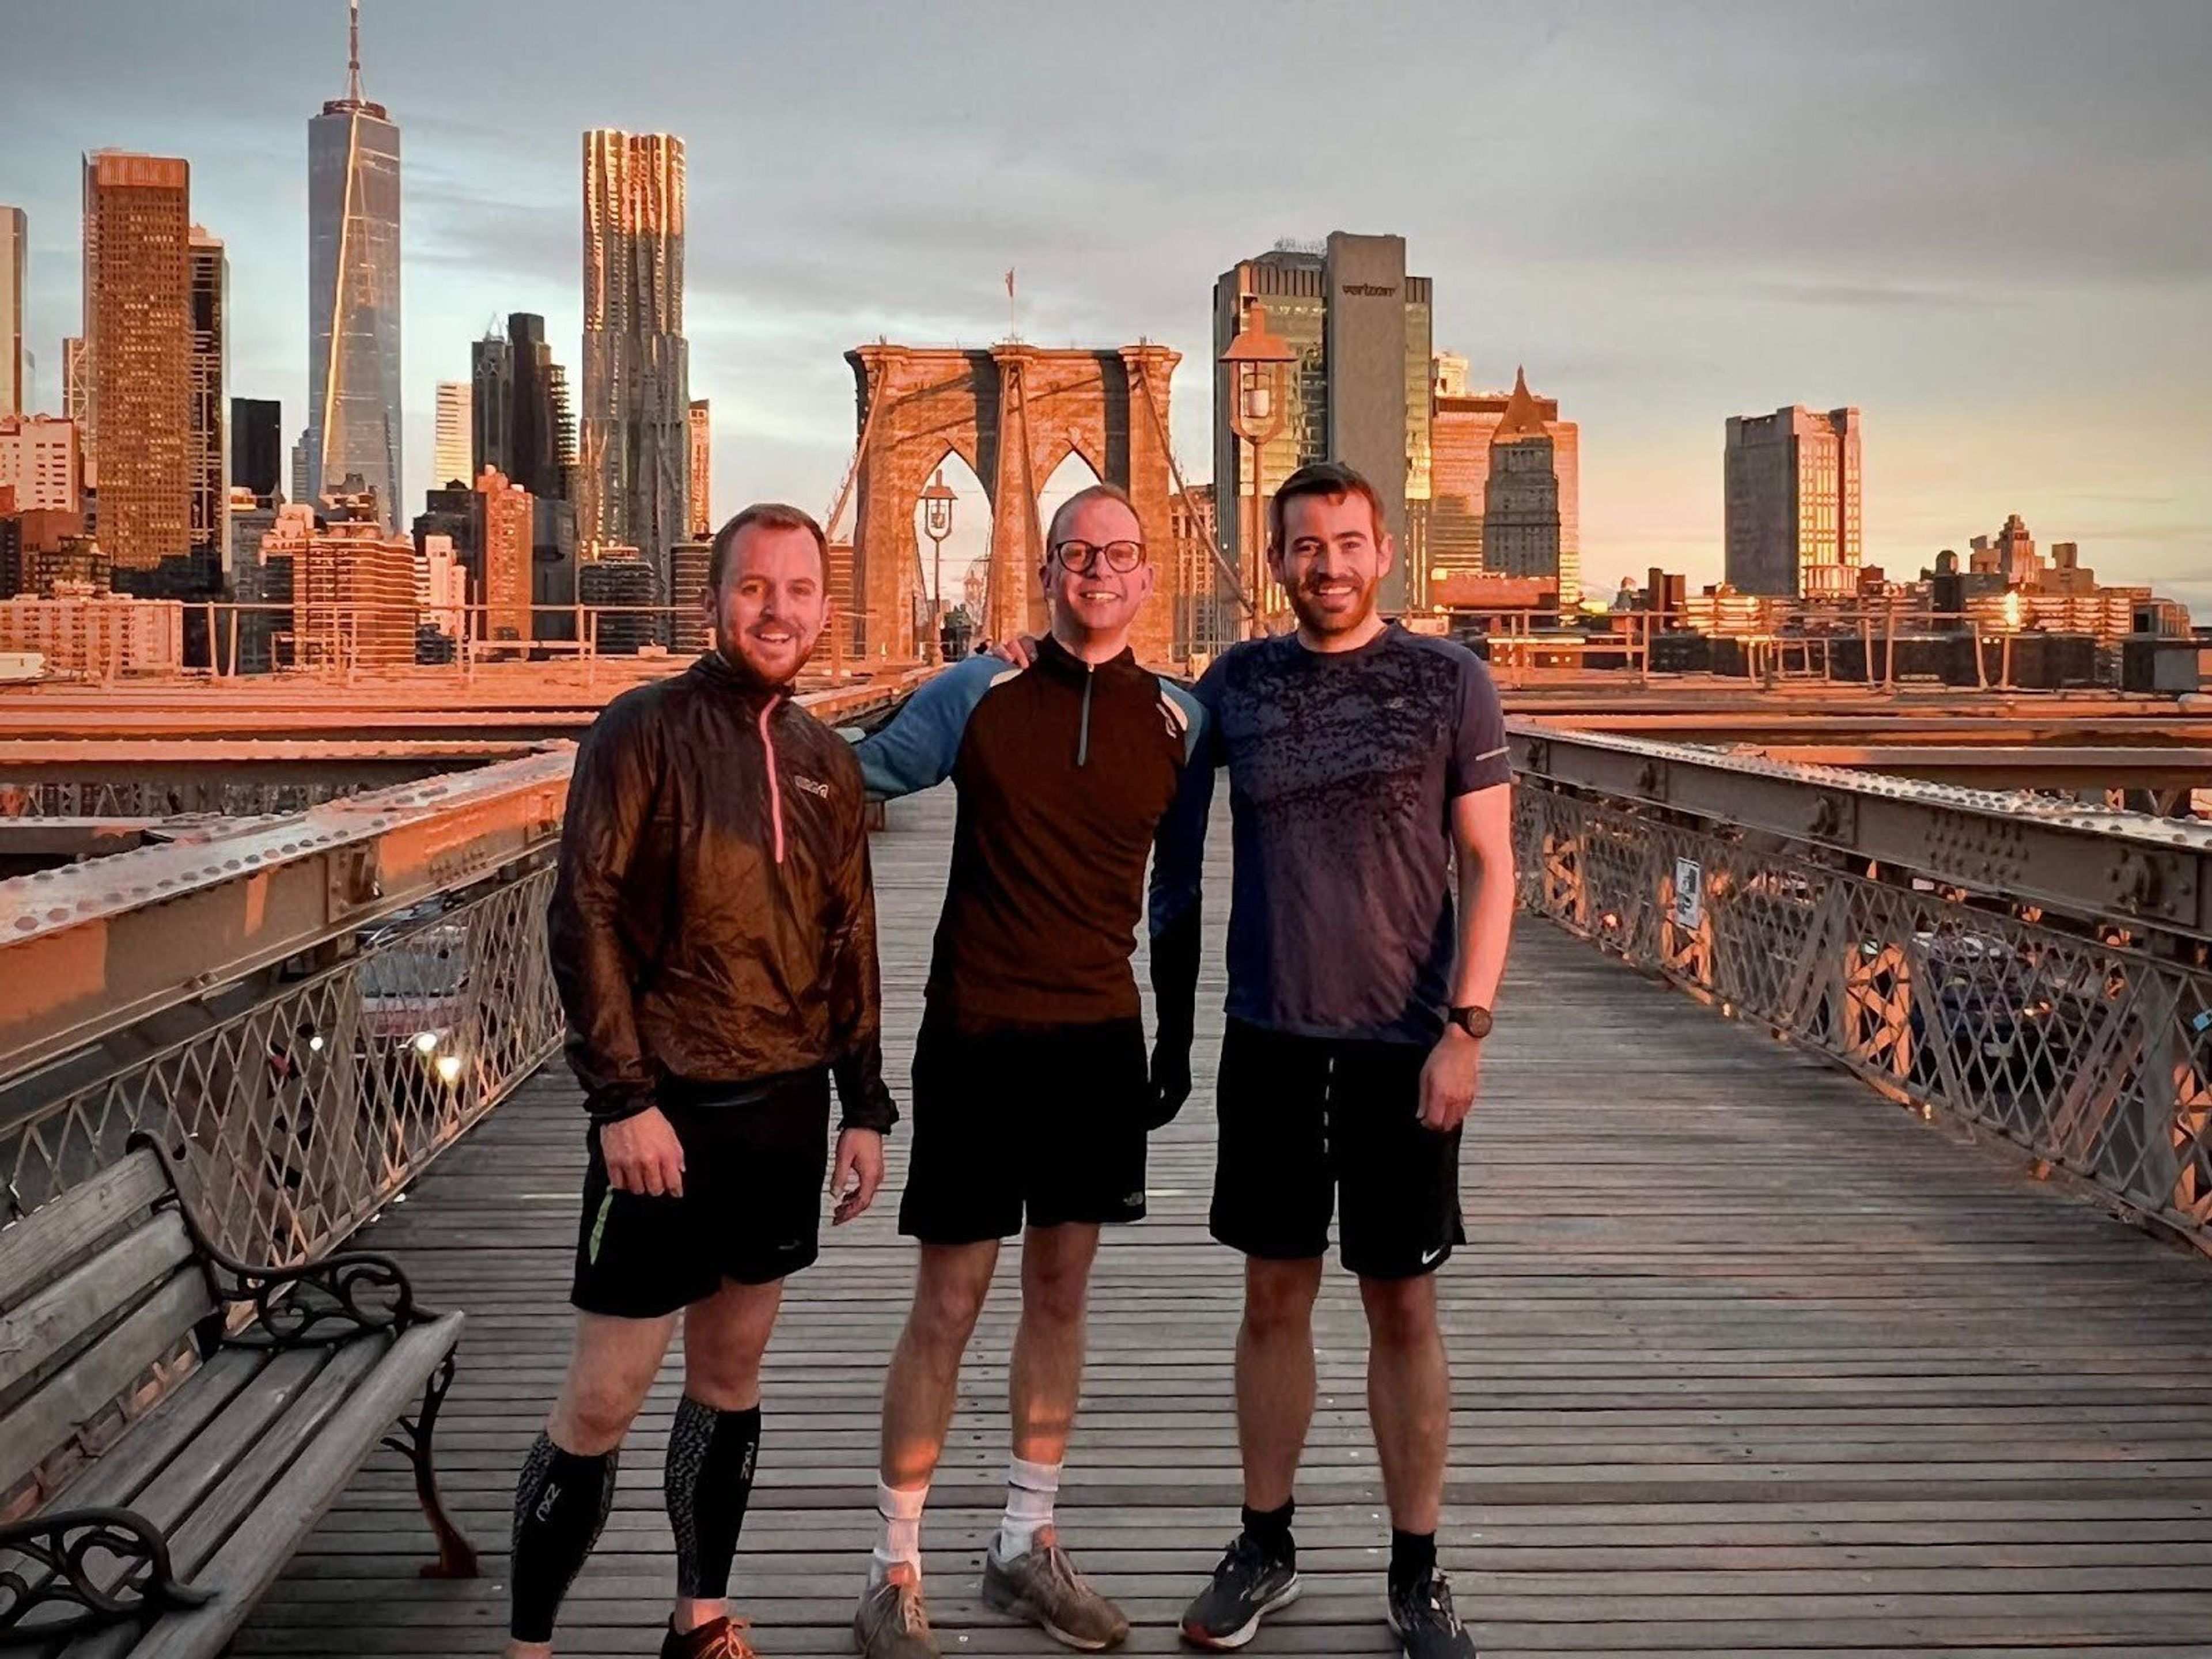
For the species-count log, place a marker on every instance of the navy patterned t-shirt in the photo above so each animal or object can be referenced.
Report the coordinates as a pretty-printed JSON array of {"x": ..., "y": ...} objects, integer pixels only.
[{"x": 1342, "y": 769}]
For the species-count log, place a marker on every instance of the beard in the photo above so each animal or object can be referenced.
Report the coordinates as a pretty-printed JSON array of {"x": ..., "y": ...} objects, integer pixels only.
[
  {"x": 1320, "y": 617},
  {"x": 770, "y": 665}
]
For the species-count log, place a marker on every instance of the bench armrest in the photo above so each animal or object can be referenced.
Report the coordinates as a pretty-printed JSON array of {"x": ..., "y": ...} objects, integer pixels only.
[
  {"x": 70, "y": 1571},
  {"x": 330, "y": 1299}
]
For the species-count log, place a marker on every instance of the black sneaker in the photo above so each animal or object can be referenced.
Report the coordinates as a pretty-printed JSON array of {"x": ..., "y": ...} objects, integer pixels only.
[
  {"x": 1249, "y": 1585},
  {"x": 1427, "y": 1627}
]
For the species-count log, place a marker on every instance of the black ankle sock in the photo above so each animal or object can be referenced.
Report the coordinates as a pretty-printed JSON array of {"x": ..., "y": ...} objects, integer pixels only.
[
  {"x": 1412, "y": 1559},
  {"x": 1270, "y": 1530},
  {"x": 560, "y": 1503},
  {"x": 707, "y": 1482}
]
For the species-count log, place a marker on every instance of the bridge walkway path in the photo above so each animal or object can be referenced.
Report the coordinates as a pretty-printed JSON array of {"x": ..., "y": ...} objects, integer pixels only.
[{"x": 1744, "y": 1360}]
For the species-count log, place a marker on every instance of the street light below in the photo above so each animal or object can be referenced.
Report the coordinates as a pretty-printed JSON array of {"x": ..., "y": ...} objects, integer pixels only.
[
  {"x": 936, "y": 524},
  {"x": 1260, "y": 363}
]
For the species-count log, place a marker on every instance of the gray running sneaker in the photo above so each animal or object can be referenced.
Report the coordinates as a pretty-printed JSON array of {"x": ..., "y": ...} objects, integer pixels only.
[
  {"x": 1044, "y": 1588},
  {"x": 891, "y": 1623}
]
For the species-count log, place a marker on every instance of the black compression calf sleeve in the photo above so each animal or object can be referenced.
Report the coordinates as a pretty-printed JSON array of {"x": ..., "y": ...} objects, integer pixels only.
[
  {"x": 709, "y": 1479},
  {"x": 560, "y": 1503}
]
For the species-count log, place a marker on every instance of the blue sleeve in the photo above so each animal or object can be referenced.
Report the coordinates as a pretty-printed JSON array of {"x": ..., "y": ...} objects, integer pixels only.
[
  {"x": 916, "y": 750},
  {"x": 1480, "y": 758},
  {"x": 1179, "y": 846}
]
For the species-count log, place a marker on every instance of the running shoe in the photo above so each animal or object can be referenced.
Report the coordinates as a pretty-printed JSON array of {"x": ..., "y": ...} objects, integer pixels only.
[{"x": 1248, "y": 1585}]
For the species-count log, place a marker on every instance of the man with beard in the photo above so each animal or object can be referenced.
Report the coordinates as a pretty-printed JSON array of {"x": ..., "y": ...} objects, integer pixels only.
[
  {"x": 1031, "y": 1100},
  {"x": 713, "y": 932},
  {"x": 1364, "y": 762}
]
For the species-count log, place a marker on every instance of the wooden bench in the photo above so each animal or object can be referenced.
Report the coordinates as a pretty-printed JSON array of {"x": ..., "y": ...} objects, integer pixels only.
[{"x": 175, "y": 1527}]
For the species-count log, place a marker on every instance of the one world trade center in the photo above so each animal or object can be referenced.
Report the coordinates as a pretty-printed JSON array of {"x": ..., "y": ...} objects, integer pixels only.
[{"x": 353, "y": 295}]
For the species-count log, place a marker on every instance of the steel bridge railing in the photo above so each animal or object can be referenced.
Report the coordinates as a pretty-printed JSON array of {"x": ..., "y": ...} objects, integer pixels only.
[
  {"x": 315, "y": 1005},
  {"x": 2019, "y": 965}
]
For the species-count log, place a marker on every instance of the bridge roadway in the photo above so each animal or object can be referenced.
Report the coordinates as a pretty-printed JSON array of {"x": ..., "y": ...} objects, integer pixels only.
[{"x": 1745, "y": 1360}]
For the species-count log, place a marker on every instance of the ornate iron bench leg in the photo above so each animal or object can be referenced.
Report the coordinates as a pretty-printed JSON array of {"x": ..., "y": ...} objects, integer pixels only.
[{"x": 456, "y": 1557}]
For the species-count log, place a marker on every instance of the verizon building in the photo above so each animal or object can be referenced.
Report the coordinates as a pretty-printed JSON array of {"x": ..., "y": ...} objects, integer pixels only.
[{"x": 1359, "y": 392}]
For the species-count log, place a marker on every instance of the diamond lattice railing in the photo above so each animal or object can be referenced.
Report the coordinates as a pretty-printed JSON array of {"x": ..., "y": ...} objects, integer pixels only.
[
  {"x": 310, "y": 1110},
  {"x": 2091, "y": 1050}
]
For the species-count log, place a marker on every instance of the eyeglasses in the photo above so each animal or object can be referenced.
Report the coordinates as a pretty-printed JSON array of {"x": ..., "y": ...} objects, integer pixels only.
[{"x": 1081, "y": 558}]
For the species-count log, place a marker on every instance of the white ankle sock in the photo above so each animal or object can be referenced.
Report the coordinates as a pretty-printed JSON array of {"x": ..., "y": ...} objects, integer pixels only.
[
  {"x": 901, "y": 1510},
  {"x": 1030, "y": 1490}
]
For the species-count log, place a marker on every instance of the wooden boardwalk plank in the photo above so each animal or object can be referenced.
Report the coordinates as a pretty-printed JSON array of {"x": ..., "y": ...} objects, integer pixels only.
[{"x": 1744, "y": 1361}]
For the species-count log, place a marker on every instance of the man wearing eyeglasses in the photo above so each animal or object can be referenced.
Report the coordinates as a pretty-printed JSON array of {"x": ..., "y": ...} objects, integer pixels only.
[{"x": 1065, "y": 770}]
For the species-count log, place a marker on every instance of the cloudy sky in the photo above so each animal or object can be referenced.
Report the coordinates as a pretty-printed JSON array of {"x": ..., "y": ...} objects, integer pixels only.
[{"x": 1986, "y": 222}]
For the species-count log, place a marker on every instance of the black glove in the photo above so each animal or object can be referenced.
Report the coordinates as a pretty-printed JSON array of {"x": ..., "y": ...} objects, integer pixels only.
[
  {"x": 1175, "y": 994},
  {"x": 1170, "y": 1078}
]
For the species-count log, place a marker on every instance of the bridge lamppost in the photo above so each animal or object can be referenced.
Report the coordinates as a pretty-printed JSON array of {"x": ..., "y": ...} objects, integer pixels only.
[
  {"x": 937, "y": 525},
  {"x": 1259, "y": 362}
]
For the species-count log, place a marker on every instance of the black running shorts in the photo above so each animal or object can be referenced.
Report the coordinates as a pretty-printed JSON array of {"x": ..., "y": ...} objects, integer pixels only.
[
  {"x": 755, "y": 1162},
  {"x": 1310, "y": 1124},
  {"x": 1045, "y": 1123}
]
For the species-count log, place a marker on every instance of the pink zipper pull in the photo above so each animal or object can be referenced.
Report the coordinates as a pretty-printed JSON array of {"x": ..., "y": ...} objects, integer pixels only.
[{"x": 774, "y": 785}]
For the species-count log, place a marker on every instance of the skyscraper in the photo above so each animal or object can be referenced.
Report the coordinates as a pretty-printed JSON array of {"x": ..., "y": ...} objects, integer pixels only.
[
  {"x": 256, "y": 446},
  {"x": 210, "y": 411},
  {"x": 353, "y": 294},
  {"x": 1359, "y": 392},
  {"x": 1792, "y": 481},
  {"x": 1531, "y": 522},
  {"x": 14, "y": 229},
  {"x": 491, "y": 391},
  {"x": 702, "y": 472},
  {"x": 1506, "y": 483},
  {"x": 452, "y": 457},
  {"x": 635, "y": 460},
  {"x": 503, "y": 533},
  {"x": 520, "y": 419},
  {"x": 138, "y": 318}
]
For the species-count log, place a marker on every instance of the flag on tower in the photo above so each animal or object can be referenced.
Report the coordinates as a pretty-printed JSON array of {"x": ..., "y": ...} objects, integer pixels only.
[{"x": 1009, "y": 281}]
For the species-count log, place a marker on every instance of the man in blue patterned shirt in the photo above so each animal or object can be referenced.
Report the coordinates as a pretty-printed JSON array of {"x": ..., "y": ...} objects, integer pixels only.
[{"x": 1368, "y": 779}]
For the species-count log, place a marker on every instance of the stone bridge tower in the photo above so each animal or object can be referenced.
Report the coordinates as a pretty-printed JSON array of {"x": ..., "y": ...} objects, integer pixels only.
[{"x": 1013, "y": 413}]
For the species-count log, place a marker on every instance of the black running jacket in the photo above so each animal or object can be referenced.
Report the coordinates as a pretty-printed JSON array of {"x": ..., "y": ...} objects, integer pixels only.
[{"x": 713, "y": 919}]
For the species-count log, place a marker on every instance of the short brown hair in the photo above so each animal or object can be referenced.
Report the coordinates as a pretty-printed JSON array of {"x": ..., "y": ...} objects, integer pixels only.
[
  {"x": 776, "y": 515},
  {"x": 1331, "y": 481},
  {"x": 1098, "y": 492}
]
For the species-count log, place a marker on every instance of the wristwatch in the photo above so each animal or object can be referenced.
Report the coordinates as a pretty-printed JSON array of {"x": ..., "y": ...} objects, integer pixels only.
[{"x": 1472, "y": 1019}]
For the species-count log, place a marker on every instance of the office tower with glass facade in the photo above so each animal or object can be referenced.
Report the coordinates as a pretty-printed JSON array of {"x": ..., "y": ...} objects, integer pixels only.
[
  {"x": 520, "y": 415},
  {"x": 353, "y": 294},
  {"x": 451, "y": 460},
  {"x": 256, "y": 447},
  {"x": 210, "y": 414},
  {"x": 138, "y": 333},
  {"x": 491, "y": 390},
  {"x": 14, "y": 268},
  {"x": 1792, "y": 485},
  {"x": 635, "y": 465},
  {"x": 702, "y": 471},
  {"x": 1358, "y": 392}
]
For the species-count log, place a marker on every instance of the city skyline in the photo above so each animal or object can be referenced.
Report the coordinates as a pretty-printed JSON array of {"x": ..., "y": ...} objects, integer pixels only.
[{"x": 2022, "y": 325}]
